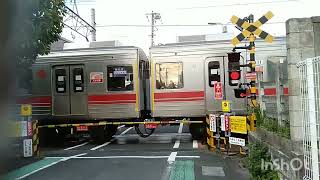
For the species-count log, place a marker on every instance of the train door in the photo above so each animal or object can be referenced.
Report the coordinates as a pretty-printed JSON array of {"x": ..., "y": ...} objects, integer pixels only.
[
  {"x": 214, "y": 75},
  {"x": 69, "y": 95}
]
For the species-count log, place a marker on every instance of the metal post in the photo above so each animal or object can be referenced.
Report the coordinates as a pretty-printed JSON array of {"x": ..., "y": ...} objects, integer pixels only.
[
  {"x": 93, "y": 24},
  {"x": 279, "y": 92}
]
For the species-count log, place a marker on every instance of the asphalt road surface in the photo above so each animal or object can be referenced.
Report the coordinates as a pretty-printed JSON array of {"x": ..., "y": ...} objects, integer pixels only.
[{"x": 168, "y": 154}]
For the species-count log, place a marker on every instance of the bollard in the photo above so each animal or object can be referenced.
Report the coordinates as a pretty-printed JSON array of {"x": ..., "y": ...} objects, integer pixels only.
[
  {"x": 210, "y": 134},
  {"x": 252, "y": 119},
  {"x": 35, "y": 138},
  {"x": 27, "y": 129}
]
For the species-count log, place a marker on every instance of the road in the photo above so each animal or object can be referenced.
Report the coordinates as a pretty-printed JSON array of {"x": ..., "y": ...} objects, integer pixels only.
[{"x": 169, "y": 154}]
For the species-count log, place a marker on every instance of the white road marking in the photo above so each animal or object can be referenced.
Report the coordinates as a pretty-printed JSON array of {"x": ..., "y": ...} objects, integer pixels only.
[
  {"x": 180, "y": 128},
  {"x": 176, "y": 144},
  {"x": 70, "y": 157},
  {"x": 79, "y": 145},
  {"x": 213, "y": 171},
  {"x": 49, "y": 165},
  {"x": 107, "y": 143},
  {"x": 124, "y": 157},
  {"x": 157, "y": 135},
  {"x": 102, "y": 145},
  {"x": 195, "y": 144},
  {"x": 126, "y": 130},
  {"x": 187, "y": 156},
  {"x": 121, "y": 126},
  {"x": 172, "y": 157}
]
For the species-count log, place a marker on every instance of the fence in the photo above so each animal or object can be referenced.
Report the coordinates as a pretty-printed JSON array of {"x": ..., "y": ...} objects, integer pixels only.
[
  {"x": 309, "y": 71},
  {"x": 273, "y": 93}
]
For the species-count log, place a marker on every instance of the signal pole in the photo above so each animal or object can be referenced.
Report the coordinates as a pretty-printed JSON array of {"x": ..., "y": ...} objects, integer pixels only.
[
  {"x": 252, "y": 65},
  {"x": 250, "y": 29}
]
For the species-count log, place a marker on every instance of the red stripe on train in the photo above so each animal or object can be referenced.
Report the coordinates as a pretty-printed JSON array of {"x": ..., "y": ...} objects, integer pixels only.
[
  {"x": 175, "y": 100},
  {"x": 273, "y": 91},
  {"x": 112, "y": 99},
  {"x": 168, "y": 95},
  {"x": 179, "y": 96},
  {"x": 34, "y": 100}
]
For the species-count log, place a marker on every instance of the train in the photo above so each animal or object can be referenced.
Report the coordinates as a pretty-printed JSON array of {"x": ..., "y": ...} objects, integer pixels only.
[{"x": 122, "y": 84}]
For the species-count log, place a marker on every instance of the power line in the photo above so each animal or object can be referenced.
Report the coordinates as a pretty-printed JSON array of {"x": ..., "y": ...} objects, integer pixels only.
[
  {"x": 169, "y": 25},
  {"x": 84, "y": 3},
  {"x": 235, "y": 4}
]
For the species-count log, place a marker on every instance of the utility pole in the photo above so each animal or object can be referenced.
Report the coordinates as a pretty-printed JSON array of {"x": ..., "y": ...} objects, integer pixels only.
[
  {"x": 93, "y": 24},
  {"x": 154, "y": 18}
]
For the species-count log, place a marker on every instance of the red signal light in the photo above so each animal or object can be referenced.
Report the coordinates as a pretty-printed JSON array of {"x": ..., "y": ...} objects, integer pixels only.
[{"x": 235, "y": 75}]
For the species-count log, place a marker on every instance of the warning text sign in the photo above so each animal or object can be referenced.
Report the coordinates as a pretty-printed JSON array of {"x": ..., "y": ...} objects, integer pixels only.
[
  {"x": 238, "y": 124},
  {"x": 213, "y": 121},
  {"x": 218, "y": 91}
]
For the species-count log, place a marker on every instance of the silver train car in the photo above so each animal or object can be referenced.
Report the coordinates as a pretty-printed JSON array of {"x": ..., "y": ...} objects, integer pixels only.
[
  {"x": 83, "y": 85},
  {"x": 183, "y": 75},
  {"x": 121, "y": 84}
]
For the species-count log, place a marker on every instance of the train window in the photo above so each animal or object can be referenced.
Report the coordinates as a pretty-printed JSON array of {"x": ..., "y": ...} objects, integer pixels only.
[
  {"x": 169, "y": 76},
  {"x": 214, "y": 72},
  {"x": 78, "y": 80},
  {"x": 120, "y": 78},
  {"x": 60, "y": 80}
]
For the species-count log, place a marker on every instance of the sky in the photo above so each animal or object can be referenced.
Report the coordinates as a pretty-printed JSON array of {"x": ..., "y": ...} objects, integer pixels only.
[{"x": 183, "y": 12}]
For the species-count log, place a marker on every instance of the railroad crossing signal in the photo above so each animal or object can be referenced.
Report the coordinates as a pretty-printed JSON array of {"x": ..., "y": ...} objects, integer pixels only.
[{"x": 249, "y": 28}]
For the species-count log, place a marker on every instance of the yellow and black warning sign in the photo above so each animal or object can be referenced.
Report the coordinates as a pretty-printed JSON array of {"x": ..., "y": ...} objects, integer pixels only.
[
  {"x": 225, "y": 106},
  {"x": 252, "y": 28},
  {"x": 26, "y": 110}
]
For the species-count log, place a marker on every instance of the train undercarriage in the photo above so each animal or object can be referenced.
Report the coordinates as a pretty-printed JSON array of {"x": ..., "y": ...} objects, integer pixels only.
[{"x": 102, "y": 131}]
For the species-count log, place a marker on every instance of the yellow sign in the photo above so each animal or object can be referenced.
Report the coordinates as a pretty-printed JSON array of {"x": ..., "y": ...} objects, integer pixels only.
[
  {"x": 238, "y": 124},
  {"x": 225, "y": 105},
  {"x": 26, "y": 110}
]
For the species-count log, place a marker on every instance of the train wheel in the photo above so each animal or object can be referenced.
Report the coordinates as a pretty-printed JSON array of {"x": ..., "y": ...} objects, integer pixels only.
[
  {"x": 97, "y": 134},
  {"x": 113, "y": 129},
  {"x": 197, "y": 131},
  {"x": 101, "y": 134},
  {"x": 51, "y": 137}
]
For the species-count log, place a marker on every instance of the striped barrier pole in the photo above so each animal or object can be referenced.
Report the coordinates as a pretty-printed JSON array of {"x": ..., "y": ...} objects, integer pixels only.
[
  {"x": 35, "y": 138},
  {"x": 210, "y": 132}
]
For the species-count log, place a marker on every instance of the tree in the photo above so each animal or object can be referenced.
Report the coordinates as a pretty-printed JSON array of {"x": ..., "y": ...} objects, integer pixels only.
[{"x": 36, "y": 25}]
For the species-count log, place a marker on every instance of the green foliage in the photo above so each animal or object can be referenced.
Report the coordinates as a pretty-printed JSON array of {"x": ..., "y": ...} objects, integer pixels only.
[
  {"x": 271, "y": 124},
  {"x": 257, "y": 153},
  {"x": 36, "y": 24}
]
